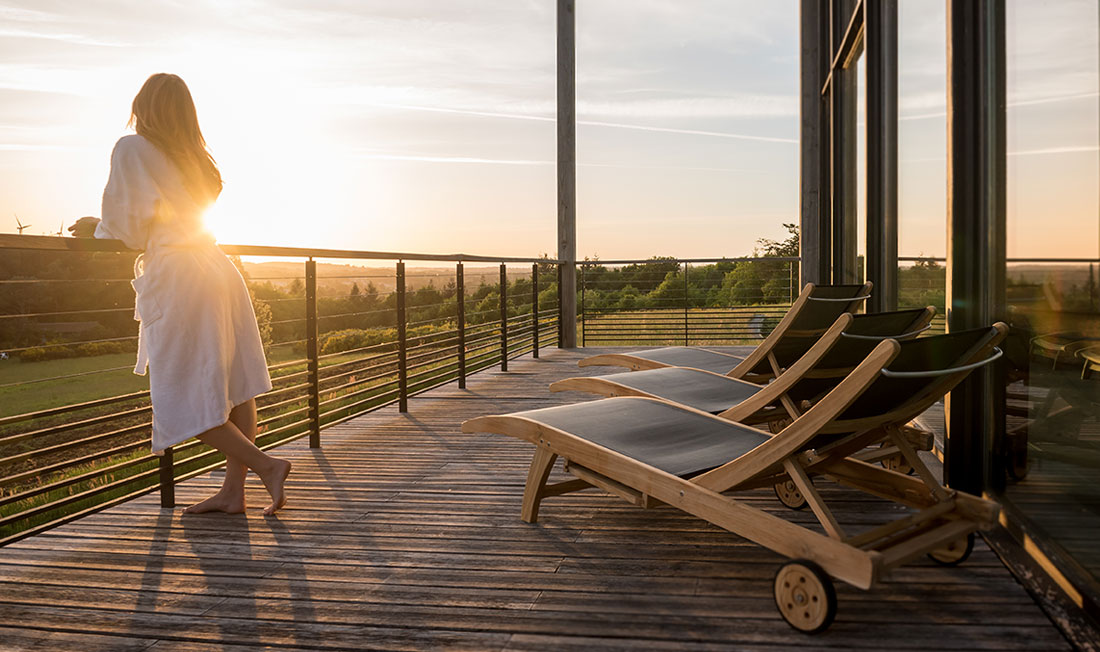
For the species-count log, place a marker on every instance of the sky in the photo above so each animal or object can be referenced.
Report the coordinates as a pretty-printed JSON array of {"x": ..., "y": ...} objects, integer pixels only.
[{"x": 428, "y": 126}]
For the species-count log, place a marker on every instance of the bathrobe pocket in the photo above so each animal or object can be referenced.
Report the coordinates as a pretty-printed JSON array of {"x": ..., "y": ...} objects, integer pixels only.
[
  {"x": 147, "y": 310},
  {"x": 146, "y": 307}
]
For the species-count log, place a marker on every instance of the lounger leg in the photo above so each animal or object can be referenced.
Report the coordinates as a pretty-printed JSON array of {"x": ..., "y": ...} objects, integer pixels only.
[
  {"x": 824, "y": 515},
  {"x": 536, "y": 480},
  {"x": 915, "y": 461}
]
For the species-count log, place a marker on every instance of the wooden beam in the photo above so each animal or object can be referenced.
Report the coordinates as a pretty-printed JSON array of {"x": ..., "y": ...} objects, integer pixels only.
[
  {"x": 976, "y": 232},
  {"x": 881, "y": 48},
  {"x": 814, "y": 149},
  {"x": 567, "y": 170}
]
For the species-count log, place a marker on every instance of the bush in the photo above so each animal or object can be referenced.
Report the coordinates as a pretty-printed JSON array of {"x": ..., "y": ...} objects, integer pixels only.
[
  {"x": 41, "y": 353},
  {"x": 357, "y": 338},
  {"x": 98, "y": 348},
  {"x": 84, "y": 350},
  {"x": 354, "y": 338}
]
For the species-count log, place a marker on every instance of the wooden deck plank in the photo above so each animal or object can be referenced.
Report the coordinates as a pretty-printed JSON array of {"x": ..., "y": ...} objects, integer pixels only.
[{"x": 402, "y": 533}]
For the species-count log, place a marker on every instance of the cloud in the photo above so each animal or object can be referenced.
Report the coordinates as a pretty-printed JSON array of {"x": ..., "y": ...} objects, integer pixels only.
[
  {"x": 420, "y": 158},
  {"x": 77, "y": 39},
  {"x": 592, "y": 123}
]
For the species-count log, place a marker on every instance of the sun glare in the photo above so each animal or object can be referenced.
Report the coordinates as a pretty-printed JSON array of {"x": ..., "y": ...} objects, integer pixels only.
[{"x": 283, "y": 174}]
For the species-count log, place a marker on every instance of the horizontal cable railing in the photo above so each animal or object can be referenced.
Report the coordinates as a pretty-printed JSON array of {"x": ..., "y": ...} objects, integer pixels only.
[
  {"x": 75, "y": 425},
  {"x": 683, "y": 301}
]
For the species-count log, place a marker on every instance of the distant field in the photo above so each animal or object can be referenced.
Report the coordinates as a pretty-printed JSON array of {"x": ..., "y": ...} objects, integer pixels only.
[
  {"x": 33, "y": 386},
  {"x": 726, "y": 326}
]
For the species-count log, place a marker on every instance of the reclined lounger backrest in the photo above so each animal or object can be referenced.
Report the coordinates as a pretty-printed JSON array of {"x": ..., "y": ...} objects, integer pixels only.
[
  {"x": 922, "y": 372},
  {"x": 855, "y": 344},
  {"x": 810, "y": 316}
]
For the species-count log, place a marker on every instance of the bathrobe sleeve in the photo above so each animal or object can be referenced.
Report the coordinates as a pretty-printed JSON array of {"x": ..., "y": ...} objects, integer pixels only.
[{"x": 130, "y": 200}]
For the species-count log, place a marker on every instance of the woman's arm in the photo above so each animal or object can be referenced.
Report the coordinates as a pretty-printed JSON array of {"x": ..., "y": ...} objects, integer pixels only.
[{"x": 130, "y": 198}]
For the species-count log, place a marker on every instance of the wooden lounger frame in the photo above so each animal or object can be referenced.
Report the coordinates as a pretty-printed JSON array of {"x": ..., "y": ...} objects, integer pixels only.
[
  {"x": 764, "y": 352},
  {"x": 943, "y": 515}
]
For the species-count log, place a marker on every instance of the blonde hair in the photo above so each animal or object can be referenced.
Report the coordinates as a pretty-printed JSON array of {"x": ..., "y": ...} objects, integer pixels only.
[{"x": 164, "y": 114}]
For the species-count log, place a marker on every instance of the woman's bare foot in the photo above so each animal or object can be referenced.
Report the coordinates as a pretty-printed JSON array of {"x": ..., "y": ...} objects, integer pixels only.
[
  {"x": 219, "y": 502},
  {"x": 274, "y": 479}
]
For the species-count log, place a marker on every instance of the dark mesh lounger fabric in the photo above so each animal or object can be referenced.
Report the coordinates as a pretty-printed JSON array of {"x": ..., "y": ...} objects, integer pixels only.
[
  {"x": 691, "y": 387},
  {"x": 926, "y": 353},
  {"x": 683, "y": 356},
  {"x": 815, "y": 317},
  {"x": 850, "y": 351},
  {"x": 667, "y": 437}
]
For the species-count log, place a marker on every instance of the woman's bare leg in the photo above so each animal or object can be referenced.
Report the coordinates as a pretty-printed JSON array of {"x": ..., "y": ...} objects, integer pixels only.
[
  {"x": 231, "y": 497},
  {"x": 273, "y": 471}
]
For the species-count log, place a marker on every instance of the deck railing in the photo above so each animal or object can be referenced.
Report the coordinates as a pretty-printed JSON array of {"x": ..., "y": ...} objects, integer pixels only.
[
  {"x": 683, "y": 301},
  {"x": 333, "y": 355},
  {"x": 74, "y": 429}
]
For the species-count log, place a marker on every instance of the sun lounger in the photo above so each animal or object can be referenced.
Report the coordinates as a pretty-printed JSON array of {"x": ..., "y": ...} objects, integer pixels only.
[
  {"x": 811, "y": 314},
  {"x": 843, "y": 346},
  {"x": 650, "y": 452}
]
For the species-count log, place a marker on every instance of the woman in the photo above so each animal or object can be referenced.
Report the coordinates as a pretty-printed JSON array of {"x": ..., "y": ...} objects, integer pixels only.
[{"x": 198, "y": 333}]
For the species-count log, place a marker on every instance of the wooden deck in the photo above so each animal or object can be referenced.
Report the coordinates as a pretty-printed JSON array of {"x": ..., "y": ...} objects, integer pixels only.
[{"x": 403, "y": 533}]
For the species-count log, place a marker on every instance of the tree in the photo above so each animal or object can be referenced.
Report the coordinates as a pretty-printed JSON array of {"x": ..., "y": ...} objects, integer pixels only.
[{"x": 779, "y": 248}]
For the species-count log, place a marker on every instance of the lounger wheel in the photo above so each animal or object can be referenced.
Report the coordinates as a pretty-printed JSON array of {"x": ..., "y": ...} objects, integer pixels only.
[
  {"x": 954, "y": 552},
  {"x": 805, "y": 596},
  {"x": 896, "y": 463},
  {"x": 789, "y": 494},
  {"x": 777, "y": 426}
]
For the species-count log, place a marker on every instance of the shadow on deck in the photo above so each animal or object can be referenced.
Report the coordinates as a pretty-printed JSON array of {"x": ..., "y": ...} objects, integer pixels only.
[{"x": 403, "y": 533}]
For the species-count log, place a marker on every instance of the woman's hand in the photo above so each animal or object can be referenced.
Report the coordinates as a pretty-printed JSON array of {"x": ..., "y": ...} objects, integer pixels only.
[{"x": 84, "y": 227}]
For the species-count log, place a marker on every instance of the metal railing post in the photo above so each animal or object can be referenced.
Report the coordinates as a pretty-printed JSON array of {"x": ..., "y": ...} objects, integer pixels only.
[
  {"x": 685, "y": 303},
  {"x": 402, "y": 344},
  {"x": 503, "y": 317},
  {"x": 312, "y": 359},
  {"x": 460, "y": 300},
  {"x": 535, "y": 309},
  {"x": 167, "y": 480},
  {"x": 793, "y": 276},
  {"x": 561, "y": 311},
  {"x": 584, "y": 330}
]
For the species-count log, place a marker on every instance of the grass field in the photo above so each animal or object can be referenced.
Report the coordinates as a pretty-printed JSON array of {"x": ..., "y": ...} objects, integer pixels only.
[{"x": 33, "y": 386}]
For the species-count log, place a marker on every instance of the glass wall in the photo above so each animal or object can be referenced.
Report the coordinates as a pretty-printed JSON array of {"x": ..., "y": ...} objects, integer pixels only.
[
  {"x": 1053, "y": 439},
  {"x": 687, "y": 127},
  {"x": 861, "y": 169},
  {"x": 1050, "y": 447},
  {"x": 922, "y": 156}
]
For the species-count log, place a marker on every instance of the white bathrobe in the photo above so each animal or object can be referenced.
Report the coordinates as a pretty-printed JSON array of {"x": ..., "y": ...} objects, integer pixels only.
[{"x": 198, "y": 333}]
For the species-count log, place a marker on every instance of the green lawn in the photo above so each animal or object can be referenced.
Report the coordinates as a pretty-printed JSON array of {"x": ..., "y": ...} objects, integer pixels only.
[
  {"x": 18, "y": 394},
  {"x": 26, "y": 386}
]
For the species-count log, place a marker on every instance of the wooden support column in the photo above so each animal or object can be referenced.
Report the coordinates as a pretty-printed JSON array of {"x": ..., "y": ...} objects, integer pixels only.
[
  {"x": 815, "y": 223},
  {"x": 881, "y": 50},
  {"x": 567, "y": 171},
  {"x": 975, "y": 228}
]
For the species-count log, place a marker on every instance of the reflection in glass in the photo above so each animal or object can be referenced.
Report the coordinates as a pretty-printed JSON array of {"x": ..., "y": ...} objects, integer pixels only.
[{"x": 1053, "y": 441}]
